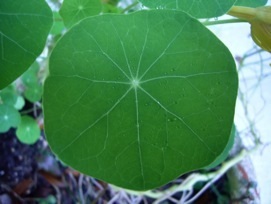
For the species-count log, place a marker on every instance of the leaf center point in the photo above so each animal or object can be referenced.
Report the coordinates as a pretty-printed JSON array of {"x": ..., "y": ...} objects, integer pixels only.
[
  {"x": 80, "y": 7},
  {"x": 135, "y": 83}
]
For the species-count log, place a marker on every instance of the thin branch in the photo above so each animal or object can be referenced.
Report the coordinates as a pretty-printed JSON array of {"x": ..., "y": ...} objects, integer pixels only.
[
  {"x": 227, "y": 21},
  {"x": 130, "y": 7}
]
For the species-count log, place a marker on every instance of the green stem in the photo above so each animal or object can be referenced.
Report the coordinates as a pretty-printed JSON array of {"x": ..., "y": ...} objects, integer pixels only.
[
  {"x": 130, "y": 6},
  {"x": 218, "y": 22},
  {"x": 25, "y": 112}
]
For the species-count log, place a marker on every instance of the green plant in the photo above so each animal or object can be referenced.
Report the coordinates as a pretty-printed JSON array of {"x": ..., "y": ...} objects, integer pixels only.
[{"x": 133, "y": 99}]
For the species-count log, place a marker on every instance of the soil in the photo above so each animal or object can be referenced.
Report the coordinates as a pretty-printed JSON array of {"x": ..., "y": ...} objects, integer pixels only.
[
  {"x": 19, "y": 170},
  {"x": 31, "y": 174}
]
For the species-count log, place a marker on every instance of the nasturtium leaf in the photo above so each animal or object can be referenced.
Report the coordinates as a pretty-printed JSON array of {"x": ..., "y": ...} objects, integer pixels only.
[
  {"x": 28, "y": 131},
  {"x": 73, "y": 11},
  {"x": 9, "y": 117},
  {"x": 19, "y": 103},
  {"x": 196, "y": 8},
  {"x": 111, "y": 6},
  {"x": 29, "y": 78},
  {"x": 24, "y": 27},
  {"x": 58, "y": 25},
  {"x": 31, "y": 75},
  {"x": 33, "y": 88},
  {"x": 33, "y": 93},
  {"x": 138, "y": 99},
  {"x": 8, "y": 96},
  {"x": 250, "y": 3}
]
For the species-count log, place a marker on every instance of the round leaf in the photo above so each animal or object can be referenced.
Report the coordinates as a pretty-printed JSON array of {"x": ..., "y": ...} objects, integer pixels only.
[
  {"x": 28, "y": 132},
  {"x": 73, "y": 11},
  {"x": 33, "y": 93},
  {"x": 30, "y": 77},
  {"x": 138, "y": 99},
  {"x": 8, "y": 96},
  {"x": 58, "y": 25},
  {"x": 9, "y": 117},
  {"x": 198, "y": 9},
  {"x": 19, "y": 103},
  {"x": 24, "y": 27}
]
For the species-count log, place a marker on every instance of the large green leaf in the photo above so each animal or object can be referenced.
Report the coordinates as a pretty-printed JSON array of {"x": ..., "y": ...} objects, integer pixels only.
[
  {"x": 250, "y": 3},
  {"x": 138, "y": 99},
  {"x": 24, "y": 26},
  {"x": 196, "y": 8},
  {"x": 73, "y": 11}
]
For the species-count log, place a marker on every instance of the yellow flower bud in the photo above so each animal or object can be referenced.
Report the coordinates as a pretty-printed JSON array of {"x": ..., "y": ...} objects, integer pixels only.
[{"x": 260, "y": 20}]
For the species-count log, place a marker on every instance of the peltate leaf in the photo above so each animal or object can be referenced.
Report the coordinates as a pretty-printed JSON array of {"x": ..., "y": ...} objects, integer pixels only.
[
  {"x": 8, "y": 96},
  {"x": 73, "y": 11},
  {"x": 33, "y": 93},
  {"x": 9, "y": 117},
  {"x": 196, "y": 8},
  {"x": 33, "y": 88},
  {"x": 251, "y": 3},
  {"x": 58, "y": 25},
  {"x": 20, "y": 102},
  {"x": 30, "y": 77},
  {"x": 138, "y": 99},
  {"x": 28, "y": 131},
  {"x": 24, "y": 27}
]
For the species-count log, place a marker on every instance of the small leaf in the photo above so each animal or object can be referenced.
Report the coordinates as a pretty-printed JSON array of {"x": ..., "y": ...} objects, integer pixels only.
[
  {"x": 33, "y": 93},
  {"x": 251, "y": 3},
  {"x": 19, "y": 103},
  {"x": 73, "y": 11},
  {"x": 139, "y": 99},
  {"x": 48, "y": 200},
  {"x": 198, "y": 9},
  {"x": 108, "y": 8},
  {"x": 28, "y": 131},
  {"x": 33, "y": 89},
  {"x": 8, "y": 96},
  {"x": 9, "y": 117},
  {"x": 31, "y": 75},
  {"x": 58, "y": 25}
]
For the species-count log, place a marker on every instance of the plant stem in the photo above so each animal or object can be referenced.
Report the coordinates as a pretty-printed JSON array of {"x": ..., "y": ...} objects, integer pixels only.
[
  {"x": 130, "y": 6},
  {"x": 218, "y": 22}
]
